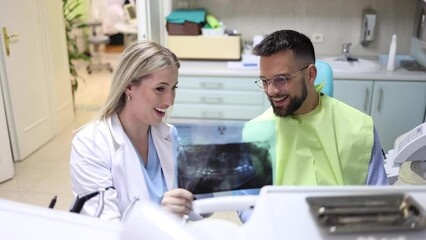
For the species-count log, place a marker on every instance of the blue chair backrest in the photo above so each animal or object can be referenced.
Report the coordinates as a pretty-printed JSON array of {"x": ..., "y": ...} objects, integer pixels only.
[{"x": 324, "y": 74}]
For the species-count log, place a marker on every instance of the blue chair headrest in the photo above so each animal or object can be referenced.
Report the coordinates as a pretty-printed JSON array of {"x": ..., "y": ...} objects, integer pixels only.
[{"x": 324, "y": 74}]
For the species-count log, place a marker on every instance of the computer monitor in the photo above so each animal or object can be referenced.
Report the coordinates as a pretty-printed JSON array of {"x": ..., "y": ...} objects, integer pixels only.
[{"x": 130, "y": 13}]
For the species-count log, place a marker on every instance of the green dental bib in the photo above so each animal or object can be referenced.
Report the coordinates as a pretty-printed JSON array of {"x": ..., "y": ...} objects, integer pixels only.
[{"x": 331, "y": 145}]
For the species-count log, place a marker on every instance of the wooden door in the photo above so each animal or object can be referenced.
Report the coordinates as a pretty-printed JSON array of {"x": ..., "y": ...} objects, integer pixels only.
[
  {"x": 23, "y": 70},
  {"x": 6, "y": 161}
]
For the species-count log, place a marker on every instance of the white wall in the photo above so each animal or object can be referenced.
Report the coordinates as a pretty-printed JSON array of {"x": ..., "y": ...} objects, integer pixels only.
[
  {"x": 338, "y": 20},
  {"x": 61, "y": 97}
]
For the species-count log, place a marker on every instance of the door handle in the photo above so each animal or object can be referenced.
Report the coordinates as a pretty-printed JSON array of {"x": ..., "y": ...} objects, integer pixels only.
[
  {"x": 211, "y": 100},
  {"x": 7, "y": 39},
  {"x": 379, "y": 104},
  {"x": 211, "y": 85},
  {"x": 212, "y": 114},
  {"x": 424, "y": 115},
  {"x": 367, "y": 94}
]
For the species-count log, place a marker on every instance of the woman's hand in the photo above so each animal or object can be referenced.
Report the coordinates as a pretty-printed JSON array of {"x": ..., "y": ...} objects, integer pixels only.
[{"x": 178, "y": 201}]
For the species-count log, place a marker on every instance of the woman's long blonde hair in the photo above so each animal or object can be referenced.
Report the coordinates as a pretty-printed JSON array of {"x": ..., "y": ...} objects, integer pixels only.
[{"x": 138, "y": 60}]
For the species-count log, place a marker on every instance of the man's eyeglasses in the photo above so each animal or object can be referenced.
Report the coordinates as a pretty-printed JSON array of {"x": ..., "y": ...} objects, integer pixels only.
[{"x": 278, "y": 81}]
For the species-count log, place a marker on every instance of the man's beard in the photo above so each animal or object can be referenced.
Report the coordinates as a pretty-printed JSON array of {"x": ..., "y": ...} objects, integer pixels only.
[{"x": 294, "y": 104}]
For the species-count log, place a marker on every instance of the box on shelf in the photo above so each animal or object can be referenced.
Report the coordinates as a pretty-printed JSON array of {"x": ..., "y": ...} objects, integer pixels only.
[
  {"x": 206, "y": 47},
  {"x": 185, "y": 28},
  {"x": 185, "y": 22}
]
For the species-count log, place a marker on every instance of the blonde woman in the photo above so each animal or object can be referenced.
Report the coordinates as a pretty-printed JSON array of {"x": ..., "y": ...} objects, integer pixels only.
[{"x": 127, "y": 147}]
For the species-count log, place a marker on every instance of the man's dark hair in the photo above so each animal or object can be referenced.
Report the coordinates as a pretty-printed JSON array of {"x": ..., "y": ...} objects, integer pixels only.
[{"x": 283, "y": 40}]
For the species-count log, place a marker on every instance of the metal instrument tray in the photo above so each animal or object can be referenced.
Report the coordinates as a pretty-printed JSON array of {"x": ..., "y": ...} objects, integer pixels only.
[{"x": 367, "y": 213}]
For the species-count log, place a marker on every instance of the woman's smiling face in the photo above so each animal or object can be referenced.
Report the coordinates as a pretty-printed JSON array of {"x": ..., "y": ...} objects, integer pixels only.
[{"x": 150, "y": 99}]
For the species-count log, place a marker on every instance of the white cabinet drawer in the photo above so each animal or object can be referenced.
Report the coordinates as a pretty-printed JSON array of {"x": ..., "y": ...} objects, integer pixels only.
[
  {"x": 219, "y": 97},
  {"x": 204, "y": 111},
  {"x": 218, "y": 83}
]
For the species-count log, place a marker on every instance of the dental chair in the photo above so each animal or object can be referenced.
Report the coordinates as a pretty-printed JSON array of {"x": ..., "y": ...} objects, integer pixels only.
[{"x": 324, "y": 76}]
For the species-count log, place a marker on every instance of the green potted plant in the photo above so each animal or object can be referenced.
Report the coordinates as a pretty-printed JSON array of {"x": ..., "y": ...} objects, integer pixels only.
[{"x": 73, "y": 20}]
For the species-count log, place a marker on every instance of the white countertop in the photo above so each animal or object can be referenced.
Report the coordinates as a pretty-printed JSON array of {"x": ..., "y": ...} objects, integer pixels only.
[
  {"x": 126, "y": 28},
  {"x": 220, "y": 69},
  {"x": 213, "y": 68}
]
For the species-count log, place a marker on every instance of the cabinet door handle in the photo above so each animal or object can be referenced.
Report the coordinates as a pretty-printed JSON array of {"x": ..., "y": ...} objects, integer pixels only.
[
  {"x": 367, "y": 94},
  {"x": 424, "y": 115},
  {"x": 210, "y": 85},
  {"x": 211, "y": 114},
  {"x": 211, "y": 100},
  {"x": 379, "y": 104}
]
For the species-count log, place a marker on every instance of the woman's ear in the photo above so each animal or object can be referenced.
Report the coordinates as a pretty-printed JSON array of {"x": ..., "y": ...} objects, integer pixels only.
[{"x": 128, "y": 89}]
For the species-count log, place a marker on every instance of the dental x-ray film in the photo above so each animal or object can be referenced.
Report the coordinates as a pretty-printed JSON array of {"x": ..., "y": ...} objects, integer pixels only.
[{"x": 214, "y": 157}]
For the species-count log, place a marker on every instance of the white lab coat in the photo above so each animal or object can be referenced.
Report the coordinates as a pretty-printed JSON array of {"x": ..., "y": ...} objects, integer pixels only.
[{"x": 102, "y": 156}]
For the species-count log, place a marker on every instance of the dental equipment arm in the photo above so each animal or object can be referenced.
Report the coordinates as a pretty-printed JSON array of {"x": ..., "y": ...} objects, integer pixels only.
[
  {"x": 409, "y": 147},
  {"x": 224, "y": 203},
  {"x": 412, "y": 147}
]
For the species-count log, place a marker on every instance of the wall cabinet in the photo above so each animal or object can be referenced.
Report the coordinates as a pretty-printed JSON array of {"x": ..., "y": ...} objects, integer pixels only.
[
  {"x": 395, "y": 106},
  {"x": 230, "y": 98}
]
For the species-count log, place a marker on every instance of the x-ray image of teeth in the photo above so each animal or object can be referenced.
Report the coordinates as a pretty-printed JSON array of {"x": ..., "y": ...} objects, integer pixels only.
[{"x": 223, "y": 167}]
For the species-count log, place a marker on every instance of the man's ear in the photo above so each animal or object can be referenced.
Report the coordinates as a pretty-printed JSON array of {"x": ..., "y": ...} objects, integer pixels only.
[{"x": 312, "y": 73}]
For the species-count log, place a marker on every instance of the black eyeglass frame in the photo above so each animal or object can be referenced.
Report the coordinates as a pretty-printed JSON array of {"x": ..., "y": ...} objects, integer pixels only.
[{"x": 263, "y": 83}]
